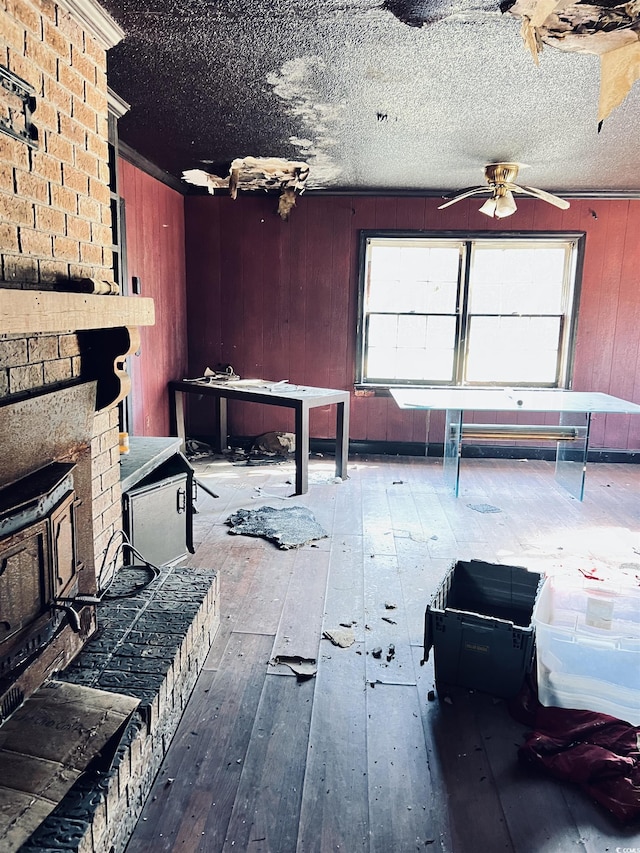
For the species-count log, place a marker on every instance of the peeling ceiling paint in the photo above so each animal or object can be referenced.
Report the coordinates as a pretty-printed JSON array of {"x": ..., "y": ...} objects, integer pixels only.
[
  {"x": 375, "y": 95},
  {"x": 295, "y": 85}
]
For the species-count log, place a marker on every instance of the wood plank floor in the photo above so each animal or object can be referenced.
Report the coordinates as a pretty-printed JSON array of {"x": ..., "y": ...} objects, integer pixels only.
[{"x": 357, "y": 758}]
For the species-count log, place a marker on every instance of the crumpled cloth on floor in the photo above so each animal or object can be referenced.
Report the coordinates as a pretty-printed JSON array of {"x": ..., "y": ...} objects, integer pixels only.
[{"x": 599, "y": 753}]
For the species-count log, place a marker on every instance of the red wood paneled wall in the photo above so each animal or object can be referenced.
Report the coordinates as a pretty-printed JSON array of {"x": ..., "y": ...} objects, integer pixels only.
[
  {"x": 154, "y": 218},
  {"x": 278, "y": 300}
]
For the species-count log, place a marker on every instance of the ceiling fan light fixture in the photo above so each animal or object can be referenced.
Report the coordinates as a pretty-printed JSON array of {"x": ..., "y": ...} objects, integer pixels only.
[
  {"x": 489, "y": 207},
  {"x": 500, "y": 184},
  {"x": 505, "y": 205}
]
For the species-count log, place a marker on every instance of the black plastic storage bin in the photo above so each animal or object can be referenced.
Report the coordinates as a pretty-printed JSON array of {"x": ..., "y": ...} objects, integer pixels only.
[{"x": 479, "y": 623}]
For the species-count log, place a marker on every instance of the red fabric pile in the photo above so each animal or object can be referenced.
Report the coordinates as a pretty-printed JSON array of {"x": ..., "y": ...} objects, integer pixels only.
[{"x": 598, "y": 752}]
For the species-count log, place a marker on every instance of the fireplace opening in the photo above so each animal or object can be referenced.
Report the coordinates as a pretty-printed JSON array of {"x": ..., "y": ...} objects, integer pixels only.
[{"x": 38, "y": 564}]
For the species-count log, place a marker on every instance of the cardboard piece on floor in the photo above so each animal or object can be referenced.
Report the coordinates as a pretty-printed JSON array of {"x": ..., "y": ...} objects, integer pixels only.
[{"x": 45, "y": 746}]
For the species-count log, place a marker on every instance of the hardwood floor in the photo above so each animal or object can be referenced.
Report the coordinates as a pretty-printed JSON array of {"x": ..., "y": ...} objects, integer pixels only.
[{"x": 357, "y": 758}]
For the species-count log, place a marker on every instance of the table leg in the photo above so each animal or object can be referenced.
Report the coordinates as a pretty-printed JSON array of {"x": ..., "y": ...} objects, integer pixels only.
[
  {"x": 342, "y": 439},
  {"x": 302, "y": 448},
  {"x": 571, "y": 456},
  {"x": 452, "y": 449},
  {"x": 178, "y": 417},
  {"x": 222, "y": 434}
]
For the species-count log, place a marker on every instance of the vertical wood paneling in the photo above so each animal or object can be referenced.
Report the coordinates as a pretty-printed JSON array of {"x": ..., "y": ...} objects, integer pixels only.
[
  {"x": 204, "y": 273},
  {"x": 594, "y": 259},
  {"x": 626, "y": 353},
  {"x": 319, "y": 317},
  {"x": 288, "y": 296},
  {"x": 364, "y": 211},
  {"x": 605, "y": 369},
  {"x": 155, "y": 229}
]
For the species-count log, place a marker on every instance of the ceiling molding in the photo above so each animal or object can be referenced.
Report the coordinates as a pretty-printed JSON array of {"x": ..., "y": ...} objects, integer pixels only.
[
  {"x": 577, "y": 194},
  {"x": 94, "y": 20},
  {"x": 117, "y": 105},
  {"x": 140, "y": 162}
]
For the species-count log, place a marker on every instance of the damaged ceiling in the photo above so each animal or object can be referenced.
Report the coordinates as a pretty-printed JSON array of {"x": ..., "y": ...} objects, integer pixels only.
[{"x": 379, "y": 96}]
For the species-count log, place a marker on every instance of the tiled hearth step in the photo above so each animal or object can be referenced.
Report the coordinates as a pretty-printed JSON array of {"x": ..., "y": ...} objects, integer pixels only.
[{"x": 151, "y": 645}]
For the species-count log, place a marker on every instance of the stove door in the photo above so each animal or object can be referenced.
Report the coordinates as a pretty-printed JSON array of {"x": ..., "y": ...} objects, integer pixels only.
[{"x": 157, "y": 519}]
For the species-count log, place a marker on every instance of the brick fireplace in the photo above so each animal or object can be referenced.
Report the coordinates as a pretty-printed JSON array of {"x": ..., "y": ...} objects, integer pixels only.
[
  {"x": 56, "y": 227},
  {"x": 56, "y": 235},
  {"x": 63, "y": 350}
]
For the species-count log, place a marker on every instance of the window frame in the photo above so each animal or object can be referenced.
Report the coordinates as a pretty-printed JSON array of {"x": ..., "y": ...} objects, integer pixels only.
[{"x": 566, "y": 358}]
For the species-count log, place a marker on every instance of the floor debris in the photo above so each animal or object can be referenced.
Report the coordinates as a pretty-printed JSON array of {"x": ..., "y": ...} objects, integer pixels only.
[
  {"x": 304, "y": 668},
  {"x": 343, "y": 637},
  {"x": 484, "y": 507},
  {"x": 288, "y": 527},
  {"x": 275, "y": 444}
]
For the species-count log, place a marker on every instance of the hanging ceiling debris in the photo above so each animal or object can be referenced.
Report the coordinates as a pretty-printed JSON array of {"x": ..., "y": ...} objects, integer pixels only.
[
  {"x": 257, "y": 173},
  {"x": 609, "y": 30}
]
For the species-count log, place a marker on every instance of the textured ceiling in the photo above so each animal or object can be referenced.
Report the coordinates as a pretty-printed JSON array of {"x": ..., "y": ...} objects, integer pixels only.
[{"x": 375, "y": 96}]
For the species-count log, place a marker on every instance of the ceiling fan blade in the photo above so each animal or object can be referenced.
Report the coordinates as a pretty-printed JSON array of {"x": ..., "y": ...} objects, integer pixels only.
[
  {"x": 465, "y": 194},
  {"x": 544, "y": 196}
]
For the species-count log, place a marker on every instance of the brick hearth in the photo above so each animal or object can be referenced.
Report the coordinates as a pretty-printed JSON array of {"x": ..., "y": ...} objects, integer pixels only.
[{"x": 151, "y": 645}]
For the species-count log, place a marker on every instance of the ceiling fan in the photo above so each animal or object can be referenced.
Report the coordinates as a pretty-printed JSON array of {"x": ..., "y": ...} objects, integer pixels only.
[{"x": 500, "y": 179}]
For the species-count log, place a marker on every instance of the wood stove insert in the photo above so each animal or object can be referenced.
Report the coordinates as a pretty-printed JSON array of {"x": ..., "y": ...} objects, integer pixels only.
[{"x": 45, "y": 538}]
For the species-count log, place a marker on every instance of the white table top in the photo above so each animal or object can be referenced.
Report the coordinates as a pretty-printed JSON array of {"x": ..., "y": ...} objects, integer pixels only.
[
  {"x": 263, "y": 388},
  {"x": 511, "y": 400}
]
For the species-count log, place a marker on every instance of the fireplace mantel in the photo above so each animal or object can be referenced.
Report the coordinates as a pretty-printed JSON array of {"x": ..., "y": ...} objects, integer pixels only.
[{"x": 33, "y": 311}]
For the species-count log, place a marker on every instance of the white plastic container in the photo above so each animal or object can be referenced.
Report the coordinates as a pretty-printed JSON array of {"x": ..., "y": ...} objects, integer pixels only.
[{"x": 588, "y": 646}]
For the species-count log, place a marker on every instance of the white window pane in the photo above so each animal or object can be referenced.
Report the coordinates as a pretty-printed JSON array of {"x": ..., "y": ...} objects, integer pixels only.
[
  {"x": 439, "y": 366},
  {"x": 412, "y": 278},
  {"x": 517, "y": 280},
  {"x": 410, "y": 347},
  {"x": 384, "y": 261},
  {"x": 519, "y": 263},
  {"x": 381, "y": 363},
  {"x": 383, "y": 330},
  {"x": 512, "y": 349},
  {"x": 412, "y": 331},
  {"x": 441, "y": 333},
  {"x": 384, "y": 296},
  {"x": 411, "y": 363},
  {"x": 440, "y": 297},
  {"x": 414, "y": 262}
]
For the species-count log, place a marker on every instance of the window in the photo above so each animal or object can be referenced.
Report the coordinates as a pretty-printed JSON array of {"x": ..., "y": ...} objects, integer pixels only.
[{"x": 479, "y": 310}]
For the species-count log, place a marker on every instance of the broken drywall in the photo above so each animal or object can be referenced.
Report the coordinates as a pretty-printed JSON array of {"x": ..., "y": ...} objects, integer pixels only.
[
  {"x": 257, "y": 173},
  {"x": 609, "y": 31},
  {"x": 253, "y": 173}
]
